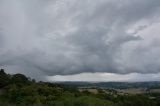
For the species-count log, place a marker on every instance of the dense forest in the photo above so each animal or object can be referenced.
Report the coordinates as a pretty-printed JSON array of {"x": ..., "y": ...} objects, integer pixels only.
[{"x": 19, "y": 90}]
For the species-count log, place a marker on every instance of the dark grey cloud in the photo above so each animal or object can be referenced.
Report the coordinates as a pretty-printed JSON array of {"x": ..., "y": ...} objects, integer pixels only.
[{"x": 53, "y": 37}]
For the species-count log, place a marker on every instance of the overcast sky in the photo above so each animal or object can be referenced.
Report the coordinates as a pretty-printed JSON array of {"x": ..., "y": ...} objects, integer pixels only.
[{"x": 92, "y": 40}]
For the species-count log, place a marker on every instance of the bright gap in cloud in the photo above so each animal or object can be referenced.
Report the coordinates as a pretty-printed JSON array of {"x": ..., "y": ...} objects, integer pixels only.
[{"x": 106, "y": 77}]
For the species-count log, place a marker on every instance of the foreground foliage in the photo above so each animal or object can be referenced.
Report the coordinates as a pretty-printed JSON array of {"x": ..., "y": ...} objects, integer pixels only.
[{"x": 18, "y": 90}]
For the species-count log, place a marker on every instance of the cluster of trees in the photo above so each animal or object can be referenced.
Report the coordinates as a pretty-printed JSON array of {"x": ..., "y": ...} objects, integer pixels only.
[{"x": 18, "y": 90}]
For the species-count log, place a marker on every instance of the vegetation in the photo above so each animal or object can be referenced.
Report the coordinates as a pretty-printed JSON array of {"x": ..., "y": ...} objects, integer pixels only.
[{"x": 18, "y": 90}]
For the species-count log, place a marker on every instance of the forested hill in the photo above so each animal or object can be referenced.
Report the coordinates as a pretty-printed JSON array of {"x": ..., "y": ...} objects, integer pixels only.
[{"x": 19, "y": 90}]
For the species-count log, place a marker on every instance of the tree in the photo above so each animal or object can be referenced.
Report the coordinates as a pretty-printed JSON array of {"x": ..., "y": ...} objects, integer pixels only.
[
  {"x": 19, "y": 79},
  {"x": 4, "y": 78}
]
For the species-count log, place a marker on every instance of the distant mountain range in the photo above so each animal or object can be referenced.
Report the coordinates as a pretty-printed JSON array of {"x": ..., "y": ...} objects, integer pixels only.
[{"x": 120, "y": 85}]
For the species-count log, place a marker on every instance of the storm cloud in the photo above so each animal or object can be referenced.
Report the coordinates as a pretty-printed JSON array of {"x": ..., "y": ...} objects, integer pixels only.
[{"x": 63, "y": 37}]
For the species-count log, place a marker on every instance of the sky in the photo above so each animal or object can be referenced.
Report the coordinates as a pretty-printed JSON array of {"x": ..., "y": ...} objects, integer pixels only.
[{"x": 81, "y": 40}]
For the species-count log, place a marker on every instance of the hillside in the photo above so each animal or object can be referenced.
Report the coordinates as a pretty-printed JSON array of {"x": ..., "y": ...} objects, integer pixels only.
[{"x": 19, "y": 90}]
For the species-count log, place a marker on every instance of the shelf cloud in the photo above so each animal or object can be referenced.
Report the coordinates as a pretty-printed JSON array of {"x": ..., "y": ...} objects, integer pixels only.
[{"x": 65, "y": 37}]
